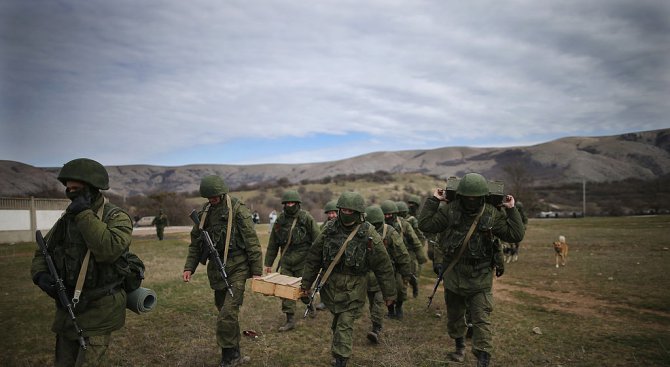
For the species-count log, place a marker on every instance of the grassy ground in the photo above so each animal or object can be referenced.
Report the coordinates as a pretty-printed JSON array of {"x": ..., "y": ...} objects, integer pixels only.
[{"x": 607, "y": 307}]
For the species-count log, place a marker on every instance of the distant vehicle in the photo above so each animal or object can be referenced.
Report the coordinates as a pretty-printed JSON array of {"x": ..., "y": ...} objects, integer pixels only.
[
  {"x": 549, "y": 214},
  {"x": 145, "y": 221}
]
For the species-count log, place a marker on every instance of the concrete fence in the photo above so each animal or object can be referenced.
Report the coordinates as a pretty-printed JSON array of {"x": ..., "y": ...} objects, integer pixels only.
[{"x": 21, "y": 217}]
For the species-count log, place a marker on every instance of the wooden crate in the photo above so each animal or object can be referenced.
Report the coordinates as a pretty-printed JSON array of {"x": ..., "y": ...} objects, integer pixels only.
[{"x": 277, "y": 285}]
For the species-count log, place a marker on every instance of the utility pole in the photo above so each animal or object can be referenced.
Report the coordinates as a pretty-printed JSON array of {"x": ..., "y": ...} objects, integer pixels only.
[{"x": 583, "y": 198}]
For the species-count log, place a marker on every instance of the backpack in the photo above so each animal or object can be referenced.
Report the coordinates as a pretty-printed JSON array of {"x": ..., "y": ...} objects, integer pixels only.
[
  {"x": 131, "y": 269},
  {"x": 129, "y": 266}
]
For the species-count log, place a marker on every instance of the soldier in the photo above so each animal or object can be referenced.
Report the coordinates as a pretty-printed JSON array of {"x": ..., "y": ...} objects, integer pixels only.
[
  {"x": 412, "y": 244},
  {"x": 399, "y": 260},
  {"x": 89, "y": 238},
  {"x": 229, "y": 224},
  {"x": 331, "y": 212},
  {"x": 524, "y": 219},
  {"x": 403, "y": 212},
  {"x": 470, "y": 224},
  {"x": 346, "y": 250},
  {"x": 292, "y": 234},
  {"x": 160, "y": 221}
]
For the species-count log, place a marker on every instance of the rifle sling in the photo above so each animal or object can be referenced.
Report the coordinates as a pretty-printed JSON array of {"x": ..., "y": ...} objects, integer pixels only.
[
  {"x": 229, "y": 229},
  {"x": 338, "y": 256},
  {"x": 84, "y": 265},
  {"x": 288, "y": 242},
  {"x": 465, "y": 243}
]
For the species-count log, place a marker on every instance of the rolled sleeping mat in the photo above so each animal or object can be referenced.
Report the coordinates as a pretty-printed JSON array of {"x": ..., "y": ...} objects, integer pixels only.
[{"x": 141, "y": 300}]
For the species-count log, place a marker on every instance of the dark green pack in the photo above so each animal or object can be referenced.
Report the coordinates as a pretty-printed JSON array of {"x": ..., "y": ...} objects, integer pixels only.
[{"x": 129, "y": 266}]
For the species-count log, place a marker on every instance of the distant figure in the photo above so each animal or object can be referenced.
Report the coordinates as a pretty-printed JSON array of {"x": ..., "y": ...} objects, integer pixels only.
[
  {"x": 160, "y": 221},
  {"x": 273, "y": 218},
  {"x": 256, "y": 218},
  {"x": 136, "y": 219}
]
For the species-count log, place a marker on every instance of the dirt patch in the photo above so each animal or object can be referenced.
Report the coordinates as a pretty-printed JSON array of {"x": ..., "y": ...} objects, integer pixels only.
[{"x": 572, "y": 302}]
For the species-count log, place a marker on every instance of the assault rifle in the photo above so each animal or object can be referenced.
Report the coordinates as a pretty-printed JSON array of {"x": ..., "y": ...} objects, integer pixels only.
[
  {"x": 208, "y": 250},
  {"x": 60, "y": 288},
  {"x": 437, "y": 284},
  {"x": 317, "y": 288}
]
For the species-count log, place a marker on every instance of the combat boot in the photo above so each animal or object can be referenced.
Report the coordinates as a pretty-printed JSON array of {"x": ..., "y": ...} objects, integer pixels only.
[
  {"x": 392, "y": 313},
  {"x": 340, "y": 361},
  {"x": 398, "y": 310},
  {"x": 232, "y": 357},
  {"x": 459, "y": 354},
  {"x": 483, "y": 358},
  {"x": 290, "y": 323},
  {"x": 373, "y": 335}
]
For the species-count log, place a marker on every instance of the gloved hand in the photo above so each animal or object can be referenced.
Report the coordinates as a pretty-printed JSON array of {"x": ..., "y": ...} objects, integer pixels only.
[
  {"x": 437, "y": 268},
  {"x": 46, "y": 283},
  {"x": 500, "y": 270},
  {"x": 80, "y": 203},
  {"x": 304, "y": 295}
]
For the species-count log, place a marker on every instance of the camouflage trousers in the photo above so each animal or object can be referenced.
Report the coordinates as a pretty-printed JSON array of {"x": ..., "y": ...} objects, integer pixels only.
[
  {"x": 159, "y": 232},
  {"x": 480, "y": 305},
  {"x": 377, "y": 306},
  {"x": 69, "y": 354},
  {"x": 343, "y": 332},
  {"x": 227, "y": 323}
]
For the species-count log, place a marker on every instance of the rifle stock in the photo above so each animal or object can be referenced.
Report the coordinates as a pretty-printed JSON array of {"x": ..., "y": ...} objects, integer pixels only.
[
  {"x": 437, "y": 284},
  {"x": 317, "y": 288},
  {"x": 62, "y": 293},
  {"x": 209, "y": 251}
]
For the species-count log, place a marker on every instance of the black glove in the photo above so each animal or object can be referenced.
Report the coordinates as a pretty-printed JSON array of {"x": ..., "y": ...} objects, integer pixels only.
[
  {"x": 304, "y": 296},
  {"x": 500, "y": 270},
  {"x": 80, "y": 203},
  {"x": 46, "y": 283},
  {"x": 437, "y": 268}
]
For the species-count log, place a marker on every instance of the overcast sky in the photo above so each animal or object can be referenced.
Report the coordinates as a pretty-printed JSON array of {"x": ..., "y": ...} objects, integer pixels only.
[{"x": 242, "y": 82}]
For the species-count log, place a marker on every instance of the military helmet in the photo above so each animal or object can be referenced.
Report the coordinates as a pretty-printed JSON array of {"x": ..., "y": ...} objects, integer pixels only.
[
  {"x": 211, "y": 186},
  {"x": 85, "y": 170},
  {"x": 374, "y": 214},
  {"x": 290, "y": 196},
  {"x": 389, "y": 207},
  {"x": 351, "y": 200},
  {"x": 414, "y": 199},
  {"x": 473, "y": 184},
  {"x": 330, "y": 206},
  {"x": 402, "y": 207}
]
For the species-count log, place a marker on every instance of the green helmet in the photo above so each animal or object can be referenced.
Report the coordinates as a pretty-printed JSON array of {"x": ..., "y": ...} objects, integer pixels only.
[
  {"x": 352, "y": 201},
  {"x": 473, "y": 184},
  {"x": 330, "y": 206},
  {"x": 211, "y": 186},
  {"x": 414, "y": 199},
  {"x": 389, "y": 207},
  {"x": 402, "y": 207},
  {"x": 290, "y": 196},
  {"x": 374, "y": 214},
  {"x": 85, "y": 170}
]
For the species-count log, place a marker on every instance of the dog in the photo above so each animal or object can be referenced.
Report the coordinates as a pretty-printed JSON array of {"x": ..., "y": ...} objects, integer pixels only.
[
  {"x": 561, "y": 248},
  {"x": 507, "y": 251}
]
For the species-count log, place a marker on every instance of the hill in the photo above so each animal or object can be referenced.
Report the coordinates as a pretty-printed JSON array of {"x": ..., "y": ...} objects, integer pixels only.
[{"x": 643, "y": 155}]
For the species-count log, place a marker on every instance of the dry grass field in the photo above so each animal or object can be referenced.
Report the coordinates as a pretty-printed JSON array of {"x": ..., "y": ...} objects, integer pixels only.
[{"x": 608, "y": 307}]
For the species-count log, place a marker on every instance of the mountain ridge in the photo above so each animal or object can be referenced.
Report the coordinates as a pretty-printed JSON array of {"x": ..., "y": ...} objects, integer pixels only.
[{"x": 644, "y": 155}]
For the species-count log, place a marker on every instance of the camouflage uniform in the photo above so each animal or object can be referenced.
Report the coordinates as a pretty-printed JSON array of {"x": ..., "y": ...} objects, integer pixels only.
[
  {"x": 344, "y": 292},
  {"x": 243, "y": 262},
  {"x": 468, "y": 284},
  {"x": 88, "y": 224},
  {"x": 160, "y": 221},
  {"x": 292, "y": 259},
  {"x": 400, "y": 261},
  {"x": 403, "y": 212}
]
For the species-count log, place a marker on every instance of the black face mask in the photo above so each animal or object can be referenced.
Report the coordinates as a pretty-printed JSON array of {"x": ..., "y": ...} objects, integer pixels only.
[
  {"x": 291, "y": 210},
  {"x": 75, "y": 194},
  {"x": 390, "y": 220},
  {"x": 471, "y": 206},
  {"x": 348, "y": 219}
]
